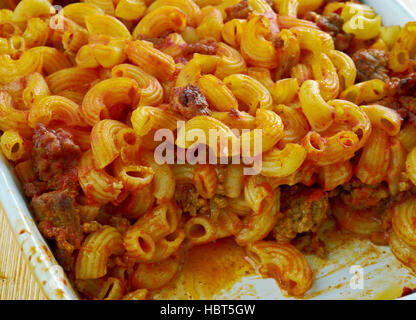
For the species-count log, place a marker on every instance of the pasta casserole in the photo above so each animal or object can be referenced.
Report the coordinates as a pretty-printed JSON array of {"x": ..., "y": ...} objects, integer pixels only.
[{"x": 312, "y": 104}]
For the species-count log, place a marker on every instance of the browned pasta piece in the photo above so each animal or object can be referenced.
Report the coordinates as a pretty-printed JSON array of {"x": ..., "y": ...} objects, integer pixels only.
[{"x": 284, "y": 263}]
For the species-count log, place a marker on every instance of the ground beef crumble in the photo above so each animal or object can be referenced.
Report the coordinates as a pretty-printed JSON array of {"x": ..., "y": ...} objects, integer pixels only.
[
  {"x": 332, "y": 24},
  {"x": 190, "y": 201},
  {"x": 302, "y": 211},
  {"x": 371, "y": 64},
  {"x": 404, "y": 86},
  {"x": 208, "y": 47},
  {"x": 157, "y": 42},
  {"x": 405, "y": 107},
  {"x": 54, "y": 159},
  {"x": 58, "y": 218},
  {"x": 401, "y": 96},
  {"x": 189, "y": 101},
  {"x": 240, "y": 10},
  {"x": 362, "y": 196},
  {"x": 343, "y": 41},
  {"x": 53, "y": 190},
  {"x": 310, "y": 243}
]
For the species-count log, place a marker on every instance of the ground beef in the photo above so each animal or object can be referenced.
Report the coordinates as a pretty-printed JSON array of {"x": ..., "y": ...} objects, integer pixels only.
[
  {"x": 157, "y": 42},
  {"x": 405, "y": 86},
  {"x": 371, "y": 64},
  {"x": 362, "y": 196},
  {"x": 342, "y": 41},
  {"x": 66, "y": 260},
  {"x": 189, "y": 101},
  {"x": 311, "y": 244},
  {"x": 409, "y": 103},
  {"x": 332, "y": 24},
  {"x": 278, "y": 42},
  {"x": 402, "y": 97},
  {"x": 240, "y": 10},
  {"x": 110, "y": 214},
  {"x": 54, "y": 158},
  {"x": 287, "y": 61},
  {"x": 395, "y": 103},
  {"x": 302, "y": 211},
  {"x": 34, "y": 188},
  {"x": 389, "y": 102},
  {"x": 216, "y": 204},
  {"x": 190, "y": 201},
  {"x": 208, "y": 47},
  {"x": 58, "y": 218}
]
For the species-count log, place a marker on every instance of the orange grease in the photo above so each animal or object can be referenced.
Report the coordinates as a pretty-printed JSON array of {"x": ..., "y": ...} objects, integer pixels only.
[{"x": 207, "y": 270}]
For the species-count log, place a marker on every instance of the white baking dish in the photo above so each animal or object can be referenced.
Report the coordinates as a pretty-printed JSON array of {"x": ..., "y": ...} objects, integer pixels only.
[
  {"x": 383, "y": 275},
  {"x": 393, "y": 11}
]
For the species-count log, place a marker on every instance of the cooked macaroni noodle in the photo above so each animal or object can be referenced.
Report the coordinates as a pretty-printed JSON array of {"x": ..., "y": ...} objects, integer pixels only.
[{"x": 132, "y": 124}]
